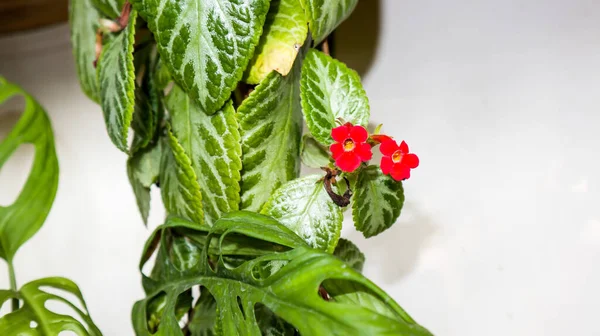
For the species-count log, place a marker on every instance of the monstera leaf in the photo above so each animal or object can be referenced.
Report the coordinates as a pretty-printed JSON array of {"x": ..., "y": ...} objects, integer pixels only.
[
  {"x": 22, "y": 219},
  {"x": 34, "y": 318},
  {"x": 290, "y": 293}
]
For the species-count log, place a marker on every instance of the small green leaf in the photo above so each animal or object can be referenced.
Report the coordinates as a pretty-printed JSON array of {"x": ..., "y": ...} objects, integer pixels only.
[
  {"x": 377, "y": 202},
  {"x": 110, "y": 8},
  {"x": 83, "y": 20},
  {"x": 284, "y": 34},
  {"x": 325, "y": 15},
  {"x": 22, "y": 219},
  {"x": 350, "y": 254},
  {"x": 212, "y": 142},
  {"x": 270, "y": 125},
  {"x": 313, "y": 154},
  {"x": 35, "y": 297},
  {"x": 205, "y": 44},
  {"x": 304, "y": 206},
  {"x": 178, "y": 182},
  {"x": 143, "y": 169},
  {"x": 117, "y": 83},
  {"x": 330, "y": 91}
]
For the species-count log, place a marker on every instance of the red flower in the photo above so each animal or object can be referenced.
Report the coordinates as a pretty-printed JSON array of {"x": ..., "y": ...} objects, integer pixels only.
[
  {"x": 396, "y": 160},
  {"x": 350, "y": 148}
]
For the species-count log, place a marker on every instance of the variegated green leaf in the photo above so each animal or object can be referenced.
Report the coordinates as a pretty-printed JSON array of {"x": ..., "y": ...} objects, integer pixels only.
[
  {"x": 117, "y": 83},
  {"x": 271, "y": 126},
  {"x": 325, "y": 15},
  {"x": 313, "y": 154},
  {"x": 330, "y": 91},
  {"x": 205, "y": 44},
  {"x": 350, "y": 254},
  {"x": 83, "y": 21},
  {"x": 143, "y": 169},
  {"x": 212, "y": 142},
  {"x": 110, "y": 8},
  {"x": 284, "y": 34},
  {"x": 178, "y": 183},
  {"x": 377, "y": 201},
  {"x": 304, "y": 206}
]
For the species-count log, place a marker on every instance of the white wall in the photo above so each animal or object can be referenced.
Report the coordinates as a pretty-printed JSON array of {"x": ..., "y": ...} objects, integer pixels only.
[{"x": 500, "y": 234}]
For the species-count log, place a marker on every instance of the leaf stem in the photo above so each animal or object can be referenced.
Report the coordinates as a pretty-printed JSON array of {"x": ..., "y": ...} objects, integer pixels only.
[{"x": 13, "y": 284}]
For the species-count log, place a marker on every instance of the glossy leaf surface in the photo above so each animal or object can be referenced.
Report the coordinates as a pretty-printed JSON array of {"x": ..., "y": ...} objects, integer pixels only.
[
  {"x": 83, "y": 20},
  {"x": 313, "y": 154},
  {"x": 325, "y": 15}
]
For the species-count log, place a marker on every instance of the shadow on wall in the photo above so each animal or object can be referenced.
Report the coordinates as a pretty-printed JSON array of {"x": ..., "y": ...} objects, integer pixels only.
[{"x": 356, "y": 39}]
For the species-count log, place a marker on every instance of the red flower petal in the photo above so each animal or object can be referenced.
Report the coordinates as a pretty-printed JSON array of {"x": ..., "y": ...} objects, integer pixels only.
[
  {"x": 359, "y": 134},
  {"x": 403, "y": 147},
  {"x": 348, "y": 162},
  {"x": 388, "y": 147},
  {"x": 364, "y": 152},
  {"x": 340, "y": 133},
  {"x": 336, "y": 149},
  {"x": 380, "y": 138},
  {"x": 386, "y": 165},
  {"x": 411, "y": 160},
  {"x": 400, "y": 172}
]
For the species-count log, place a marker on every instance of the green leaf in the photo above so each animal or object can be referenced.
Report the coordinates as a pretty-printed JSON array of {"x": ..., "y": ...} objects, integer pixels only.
[
  {"x": 110, "y": 8},
  {"x": 325, "y": 15},
  {"x": 271, "y": 126},
  {"x": 313, "y": 154},
  {"x": 205, "y": 44},
  {"x": 204, "y": 316},
  {"x": 283, "y": 35},
  {"x": 143, "y": 169},
  {"x": 350, "y": 254},
  {"x": 212, "y": 142},
  {"x": 22, "y": 219},
  {"x": 330, "y": 91},
  {"x": 83, "y": 20},
  {"x": 304, "y": 206},
  {"x": 377, "y": 202},
  {"x": 291, "y": 293},
  {"x": 35, "y": 297},
  {"x": 178, "y": 182},
  {"x": 117, "y": 83}
]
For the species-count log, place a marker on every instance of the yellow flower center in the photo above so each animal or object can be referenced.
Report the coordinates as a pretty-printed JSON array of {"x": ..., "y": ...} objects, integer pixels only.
[
  {"x": 397, "y": 156},
  {"x": 349, "y": 145}
]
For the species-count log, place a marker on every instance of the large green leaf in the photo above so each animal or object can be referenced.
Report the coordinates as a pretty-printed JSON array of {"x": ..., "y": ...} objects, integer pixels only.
[
  {"x": 290, "y": 293},
  {"x": 205, "y": 44},
  {"x": 204, "y": 316},
  {"x": 178, "y": 182},
  {"x": 350, "y": 254},
  {"x": 378, "y": 199},
  {"x": 271, "y": 126},
  {"x": 212, "y": 142},
  {"x": 22, "y": 219},
  {"x": 117, "y": 83},
  {"x": 325, "y": 15},
  {"x": 284, "y": 34},
  {"x": 34, "y": 318},
  {"x": 330, "y": 91},
  {"x": 110, "y": 8},
  {"x": 143, "y": 169},
  {"x": 313, "y": 154},
  {"x": 83, "y": 21},
  {"x": 304, "y": 206}
]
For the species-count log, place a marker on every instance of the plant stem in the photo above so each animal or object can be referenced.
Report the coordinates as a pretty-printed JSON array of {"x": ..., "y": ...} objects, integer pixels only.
[{"x": 13, "y": 284}]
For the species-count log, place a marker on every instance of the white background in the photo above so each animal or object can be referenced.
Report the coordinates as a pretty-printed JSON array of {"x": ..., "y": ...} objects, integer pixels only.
[{"x": 500, "y": 234}]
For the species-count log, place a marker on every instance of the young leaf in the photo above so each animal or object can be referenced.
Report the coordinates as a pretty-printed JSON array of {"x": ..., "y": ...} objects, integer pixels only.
[
  {"x": 34, "y": 309},
  {"x": 178, "y": 182},
  {"x": 325, "y": 15},
  {"x": 143, "y": 169},
  {"x": 350, "y": 254},
  {"x": 117, "y": 83},
  {"x": 83, "y": 20},
  {"x": 110, "y": 8},
  {"x": 20, "y": 220},
  {"x": 270, "y": 125},
  {"x": 304, "y": 206},
  {"x": 205, "y": 44},
  {"x": 213, "y": 145},
  {"x": 313, "y": 154},
  {"x": 378, "y": 200},
  {"x": 330, "y": 91},
  {"x": 284, "y": 34}
]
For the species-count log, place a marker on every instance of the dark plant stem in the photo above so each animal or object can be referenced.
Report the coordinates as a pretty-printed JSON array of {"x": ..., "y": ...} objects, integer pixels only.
[{"x": 13, "y": 284}]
